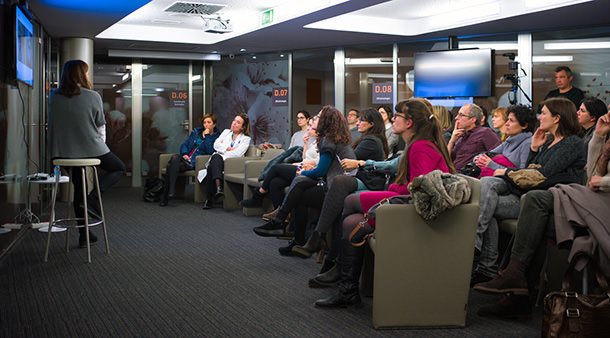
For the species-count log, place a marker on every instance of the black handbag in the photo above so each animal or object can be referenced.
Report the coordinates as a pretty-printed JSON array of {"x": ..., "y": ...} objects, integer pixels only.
[
  {"x": 570, "y": 314},
  {"x": 375, "y": 179}
]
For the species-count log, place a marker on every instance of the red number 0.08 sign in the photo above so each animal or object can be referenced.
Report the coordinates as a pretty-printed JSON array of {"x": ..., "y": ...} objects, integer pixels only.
[{"x": 382, "y": 93}]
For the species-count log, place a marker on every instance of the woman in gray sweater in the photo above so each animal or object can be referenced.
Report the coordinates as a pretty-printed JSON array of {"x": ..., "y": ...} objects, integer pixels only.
[{"x": 75, "y": 116}]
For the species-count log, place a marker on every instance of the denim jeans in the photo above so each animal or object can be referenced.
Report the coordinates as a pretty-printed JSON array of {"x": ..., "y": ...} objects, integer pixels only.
[{"x": 496, "y": 203}]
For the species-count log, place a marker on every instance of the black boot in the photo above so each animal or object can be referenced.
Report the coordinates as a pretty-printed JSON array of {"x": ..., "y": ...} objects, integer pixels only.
[
  {"x": 328, "y": 278},
  {"x": 255, "y": 201},
  {"x": 351, "y": 264},
  {"x": 314, "y": 244},
  {"x": 287, "y": 250},
  {"x": 273, "y": 228}
]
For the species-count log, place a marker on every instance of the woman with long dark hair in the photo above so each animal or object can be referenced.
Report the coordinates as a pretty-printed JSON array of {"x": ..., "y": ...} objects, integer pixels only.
[
  {"x": 372, "y": 145},
  {"x": 557, "y": 155},
  {"x": 76, "y": 115},
  {"x": 426, "y": 151},
  {"x": 307, "y": 188}
]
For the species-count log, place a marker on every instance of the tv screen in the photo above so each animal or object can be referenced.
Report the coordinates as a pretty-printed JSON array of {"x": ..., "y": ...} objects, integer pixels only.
[
  {"x": 453, "y": 73},
  {"x": 24, "y": 51}
]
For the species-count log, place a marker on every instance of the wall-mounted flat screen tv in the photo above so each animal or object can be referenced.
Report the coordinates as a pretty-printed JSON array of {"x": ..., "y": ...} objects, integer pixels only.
[
  {"x": 453, "y": 73},
  {"x": 24, "y": 48}
]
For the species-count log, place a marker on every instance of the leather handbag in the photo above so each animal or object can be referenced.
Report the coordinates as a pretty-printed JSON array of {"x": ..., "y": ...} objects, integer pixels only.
[{"x": 571, "y": 314}]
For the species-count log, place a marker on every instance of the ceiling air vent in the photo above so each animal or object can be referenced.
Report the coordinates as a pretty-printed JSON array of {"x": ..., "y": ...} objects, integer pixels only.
[{"x": 195, "y": 8}]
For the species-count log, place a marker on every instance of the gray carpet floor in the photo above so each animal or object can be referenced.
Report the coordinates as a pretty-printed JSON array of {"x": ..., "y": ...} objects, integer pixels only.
[{"x": 180, "y": 271}]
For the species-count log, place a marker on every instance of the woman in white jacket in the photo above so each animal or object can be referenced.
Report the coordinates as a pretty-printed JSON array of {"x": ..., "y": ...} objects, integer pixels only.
[{"x": 232, "y": 142}]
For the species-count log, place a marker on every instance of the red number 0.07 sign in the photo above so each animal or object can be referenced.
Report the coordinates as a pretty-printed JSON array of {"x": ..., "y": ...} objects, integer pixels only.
[
  {"x": 382, "y": 93},
  {"x": 279, "y": 96}
]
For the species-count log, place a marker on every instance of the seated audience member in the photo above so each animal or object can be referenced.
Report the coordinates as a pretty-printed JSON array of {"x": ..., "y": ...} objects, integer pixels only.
[
  {"x": 515, "y": 150},
  {"x": 590, "y": 110},
  {"x": 352, "y": 123},
  {"x": 280, "y": 175},
  {"x": 442, "y": 114},
  {"x": 307, "y": 188},
  {"x": 372, "y": 145},
  {"x": 331, "y": 214},
  {"x": 303, "y": 117},
  {"x": 386, "y": 114},
  {"x": 539, "y": 219},
  {"x": 232, "y": 142},
  {"x": 426, "y": 151},
  {"x": 557, "y": 156},
  {"x": 200, "y": 142},
  {"x": 498, "y": 121},
  {"x": 563, "y": 80},
  {"x": 469, "y": 138}
]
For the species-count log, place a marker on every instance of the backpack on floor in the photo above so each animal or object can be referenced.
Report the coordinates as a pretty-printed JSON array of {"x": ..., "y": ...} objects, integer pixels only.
[{"x": 153, "y": 189}]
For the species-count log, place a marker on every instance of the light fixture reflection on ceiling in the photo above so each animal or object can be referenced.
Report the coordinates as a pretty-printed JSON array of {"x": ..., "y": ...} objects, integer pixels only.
[
  {"x": 530, "y": 4},
  {"x": 368, "y": 61},
  {"x": 577, "y": 45},
  {"x": 490, "y": 45},
  {"x": 552, "y": 58}
]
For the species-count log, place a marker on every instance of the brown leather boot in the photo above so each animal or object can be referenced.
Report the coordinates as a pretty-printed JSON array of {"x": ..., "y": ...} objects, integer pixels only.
[{"x": 512, "y": 280}]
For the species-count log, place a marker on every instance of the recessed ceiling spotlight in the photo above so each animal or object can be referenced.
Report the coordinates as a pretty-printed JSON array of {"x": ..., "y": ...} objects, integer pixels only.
[
  {"x": 254, "y": 56},
  {"x": 281, "y": 55},
  {"x": 242, "y": 50}
]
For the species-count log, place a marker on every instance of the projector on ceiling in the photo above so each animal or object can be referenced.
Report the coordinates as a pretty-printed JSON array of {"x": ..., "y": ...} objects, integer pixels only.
[{"x": 216, "y": 25}]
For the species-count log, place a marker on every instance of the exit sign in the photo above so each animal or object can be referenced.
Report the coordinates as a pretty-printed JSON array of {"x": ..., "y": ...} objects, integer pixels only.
[{"x": 267, "y": 17}]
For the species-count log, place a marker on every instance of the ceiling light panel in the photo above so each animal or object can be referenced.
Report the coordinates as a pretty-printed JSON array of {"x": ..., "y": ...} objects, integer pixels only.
[
  {"x": 421, "y": 17},
  {"x": 152, "y": 21}
]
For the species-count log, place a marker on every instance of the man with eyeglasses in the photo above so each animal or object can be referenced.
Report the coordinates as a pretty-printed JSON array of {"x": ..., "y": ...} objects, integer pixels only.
[
  {"x": 469, "y": 138},
  {"x": 352, "y": 123}
]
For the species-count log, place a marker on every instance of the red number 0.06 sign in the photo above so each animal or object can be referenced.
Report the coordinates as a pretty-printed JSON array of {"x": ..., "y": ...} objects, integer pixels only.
[
  {"x": 279, "y": 96},
  {"x": 382, "y": 93}
]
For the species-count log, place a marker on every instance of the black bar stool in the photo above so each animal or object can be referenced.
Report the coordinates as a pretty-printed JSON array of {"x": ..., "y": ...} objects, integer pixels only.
[{"x": 83, "y": 163}]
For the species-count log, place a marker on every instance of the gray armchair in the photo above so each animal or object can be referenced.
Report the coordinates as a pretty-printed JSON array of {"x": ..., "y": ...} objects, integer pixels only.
[
  {"x": 184, "y": 178},
  {"x": 422, "y": 269}
]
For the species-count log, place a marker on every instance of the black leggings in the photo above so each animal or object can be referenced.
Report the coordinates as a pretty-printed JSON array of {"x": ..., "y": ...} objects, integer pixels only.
[
  {"x": 332, "y": 209},
  {"x": 215, "y": 169},
  {"x": 115, "y": 169},
  {"x": 277, "y": 179},
  {"x": 353, "y": 215}
]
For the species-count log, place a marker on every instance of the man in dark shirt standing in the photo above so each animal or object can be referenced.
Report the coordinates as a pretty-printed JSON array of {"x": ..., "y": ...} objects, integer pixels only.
[
  {"x": 563, "y": 80},
  {"x": 469, "y": 138}
]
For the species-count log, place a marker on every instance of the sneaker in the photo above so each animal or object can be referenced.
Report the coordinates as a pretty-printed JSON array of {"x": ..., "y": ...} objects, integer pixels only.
[
  {"x": 269, "y": 216},
  {"x": 510, "y": 306}
]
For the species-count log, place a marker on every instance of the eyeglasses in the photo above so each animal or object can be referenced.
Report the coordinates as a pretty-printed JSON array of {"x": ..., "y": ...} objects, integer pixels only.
[
  {"x": 401, "y": 116},
  {"x": 463, "y": 115}
]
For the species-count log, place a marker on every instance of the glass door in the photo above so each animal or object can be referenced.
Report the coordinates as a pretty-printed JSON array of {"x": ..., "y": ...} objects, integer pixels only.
[{"x": 165, "y": 112}]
